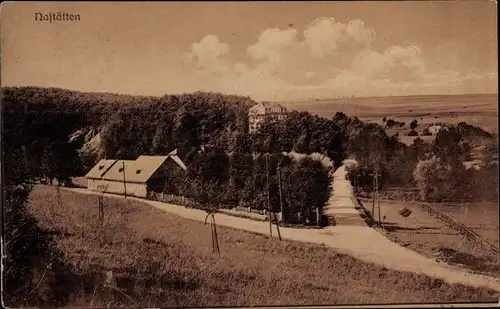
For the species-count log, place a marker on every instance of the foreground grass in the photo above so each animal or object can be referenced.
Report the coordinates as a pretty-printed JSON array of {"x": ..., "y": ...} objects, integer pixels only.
[{"x": 160, "y": 259}]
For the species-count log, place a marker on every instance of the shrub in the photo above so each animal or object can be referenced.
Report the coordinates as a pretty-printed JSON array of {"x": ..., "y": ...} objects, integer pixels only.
[
  {"x": 413, "y": 124},
  {"x": 426, "y": 132},
  {"x": 306, "y": 185},
  {"x": 34, "y": 271},
  {"x": 432, "y": 177}
]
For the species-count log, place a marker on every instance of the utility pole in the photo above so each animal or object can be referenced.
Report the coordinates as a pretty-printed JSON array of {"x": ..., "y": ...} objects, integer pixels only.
[
  {"x": 375, "y": 197},
  {"x": 277, "y": 225},
  {"x": 268, "y": 197},
  {"x": 373, "y": 194},
  {"x": 124, "y": 182},
  {"x": 378, "y": 197},
  {"x": 281, "y": 193},
  {"x": 354, "y": 180}
]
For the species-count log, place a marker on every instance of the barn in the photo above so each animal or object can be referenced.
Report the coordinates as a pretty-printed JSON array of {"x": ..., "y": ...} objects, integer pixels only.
[{"x": 138, "y": 177}]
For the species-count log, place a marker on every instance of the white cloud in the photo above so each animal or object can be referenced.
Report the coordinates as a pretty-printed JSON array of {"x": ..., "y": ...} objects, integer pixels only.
[
  {"x": 329, "y": 58},
  {"x": 207, "y": 55},
  {"x": 400, "y": 64},
  {"x": 324, "y": 36},
  {"x": 272, "y": 44}
]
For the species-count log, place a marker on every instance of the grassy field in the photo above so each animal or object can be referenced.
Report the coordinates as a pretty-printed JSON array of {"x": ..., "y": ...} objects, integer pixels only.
[
  {"x": 476, "y": 109},
  {"x": 481, "y": 217},
  {"x": 425, "y": 234},
  {"x": 160, "y": 259}
]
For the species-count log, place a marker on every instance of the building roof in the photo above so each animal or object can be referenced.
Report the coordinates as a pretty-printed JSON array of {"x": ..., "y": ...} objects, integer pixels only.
[
  {"x": 272, "y": 105},
  {"x": 268, "y": 105},
  {"x": 139, "y": 170},
  {"x": 100, "y": 168},
  {"x": 116, "y": 172}
]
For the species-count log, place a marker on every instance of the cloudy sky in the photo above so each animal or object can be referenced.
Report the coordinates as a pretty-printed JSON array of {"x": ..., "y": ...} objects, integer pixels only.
[{"x": 282, "y": 51}]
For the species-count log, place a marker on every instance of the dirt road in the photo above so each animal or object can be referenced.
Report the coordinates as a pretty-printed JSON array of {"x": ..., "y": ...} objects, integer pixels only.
[{"x": 359, "y": 241}]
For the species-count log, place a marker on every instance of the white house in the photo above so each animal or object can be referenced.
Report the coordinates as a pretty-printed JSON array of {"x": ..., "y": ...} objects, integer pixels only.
[
  {"x": 258, "y": 112},
  {"x": 133, "y": 177}
]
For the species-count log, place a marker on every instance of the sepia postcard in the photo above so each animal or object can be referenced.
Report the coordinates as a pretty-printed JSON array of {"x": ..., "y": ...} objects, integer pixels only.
[{"x": 249, "y": 154}]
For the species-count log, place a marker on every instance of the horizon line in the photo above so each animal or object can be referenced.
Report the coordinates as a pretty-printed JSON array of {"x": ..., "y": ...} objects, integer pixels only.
[{"x": 280, "y": 101}]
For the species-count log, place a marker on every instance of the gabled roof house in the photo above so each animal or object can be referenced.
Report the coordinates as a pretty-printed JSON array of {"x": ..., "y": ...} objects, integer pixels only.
[{"x": 134, "y": 177}]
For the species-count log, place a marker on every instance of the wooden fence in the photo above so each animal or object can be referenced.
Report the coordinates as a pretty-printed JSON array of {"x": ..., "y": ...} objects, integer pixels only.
[
  {"x": 469, "y": 234},
  {"x": 462, "y": 229}
]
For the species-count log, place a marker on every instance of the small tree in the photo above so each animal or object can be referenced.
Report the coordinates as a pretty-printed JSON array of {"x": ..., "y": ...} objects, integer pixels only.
[{"x": 413, "y": 124}]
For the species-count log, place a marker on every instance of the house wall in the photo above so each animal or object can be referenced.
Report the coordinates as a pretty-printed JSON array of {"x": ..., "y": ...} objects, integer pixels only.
[
  {"x": 169, "y": 173},
  {"x": 117, "y": 187},
  {"x": 257, "y": 114}
]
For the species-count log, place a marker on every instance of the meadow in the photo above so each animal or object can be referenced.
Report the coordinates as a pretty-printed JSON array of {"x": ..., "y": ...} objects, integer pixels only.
[
  {"x": 159, "y": 259},
  {"x": 481, "y": 217},
  {"x": 431, "y": 237},
  {"x": 476, "y": 109}
]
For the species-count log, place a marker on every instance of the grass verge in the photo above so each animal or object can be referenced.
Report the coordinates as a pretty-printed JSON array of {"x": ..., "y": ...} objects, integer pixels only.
[{"x": 159, "y": 259}]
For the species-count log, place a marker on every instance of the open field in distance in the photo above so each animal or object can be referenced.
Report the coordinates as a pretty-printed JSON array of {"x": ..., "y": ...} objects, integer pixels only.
[
  {"x": 476, "y": 109},
  {"x": 162, "y": 259}
]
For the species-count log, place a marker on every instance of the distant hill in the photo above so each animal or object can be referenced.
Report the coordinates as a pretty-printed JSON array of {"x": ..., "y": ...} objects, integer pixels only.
[{"x": 477, "y": 109}]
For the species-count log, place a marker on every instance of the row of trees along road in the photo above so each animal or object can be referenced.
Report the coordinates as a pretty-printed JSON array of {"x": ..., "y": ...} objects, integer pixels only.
[{"x": 216, "y": 179}]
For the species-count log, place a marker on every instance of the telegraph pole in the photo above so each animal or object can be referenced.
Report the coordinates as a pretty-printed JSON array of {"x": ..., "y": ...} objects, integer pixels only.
[
  {"x": 373, "y": 195},
  {"x": 378, "y": 197},
  {"x": 124, "y": 182},
  {"x": 269, "y": 197},
  {"x": 281, "y": 193}
]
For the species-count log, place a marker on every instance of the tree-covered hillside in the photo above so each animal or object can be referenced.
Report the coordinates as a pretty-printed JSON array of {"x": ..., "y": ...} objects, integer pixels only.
[{"x": 39, "y": 122}]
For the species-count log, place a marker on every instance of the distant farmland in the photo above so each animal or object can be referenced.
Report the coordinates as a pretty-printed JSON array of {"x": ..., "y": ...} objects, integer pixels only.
[{"x": 476, "y": 109}]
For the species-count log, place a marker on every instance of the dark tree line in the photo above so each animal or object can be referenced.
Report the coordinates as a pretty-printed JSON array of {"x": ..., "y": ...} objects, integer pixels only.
[
  {"x": 303, "y": 133},
  {"x": 40, "y": 121},
  {"x": 216, "y": 179},
  {"x": 183, "y": 122}
]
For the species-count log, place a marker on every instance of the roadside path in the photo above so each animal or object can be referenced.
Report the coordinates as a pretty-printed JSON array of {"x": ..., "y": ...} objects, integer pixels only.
[
  {"x": 359, "y": 241},
  {"x": 340, "y": 208}
]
